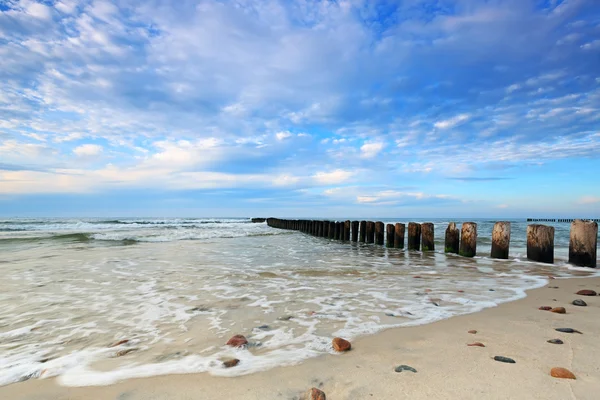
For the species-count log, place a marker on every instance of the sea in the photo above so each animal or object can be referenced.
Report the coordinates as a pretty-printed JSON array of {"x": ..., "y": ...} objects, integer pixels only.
[{"x": 94, "y": 301}]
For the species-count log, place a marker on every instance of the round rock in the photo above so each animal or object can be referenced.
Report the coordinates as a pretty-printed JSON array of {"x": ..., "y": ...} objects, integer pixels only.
[
  {"x": 340, "y": 344},
  {"x": 559, "y": 310},
  {"x": 237, "y": 341},
  {"x": 586, "y": 292},
  {"x": 563, "y": 373},
  {"x": 579, "y": 302},
  {"x": 401, "y": 368},
  {"x": 315, "y": 394}
]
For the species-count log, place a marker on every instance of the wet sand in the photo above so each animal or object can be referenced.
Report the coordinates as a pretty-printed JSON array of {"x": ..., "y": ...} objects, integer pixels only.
[{"x": 446, "y": 367}]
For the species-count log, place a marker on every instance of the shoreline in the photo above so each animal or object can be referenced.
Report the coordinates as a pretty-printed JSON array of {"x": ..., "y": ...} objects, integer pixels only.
[{"x": 446, "y": 367}]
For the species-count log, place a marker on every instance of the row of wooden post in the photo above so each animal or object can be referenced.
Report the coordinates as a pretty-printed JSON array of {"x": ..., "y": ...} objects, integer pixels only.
[
  {"x": 557, "y": 220},
  {"x": 540, "y": 238}
]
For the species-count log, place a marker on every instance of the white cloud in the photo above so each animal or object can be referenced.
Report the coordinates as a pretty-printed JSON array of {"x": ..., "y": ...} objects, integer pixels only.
[
  {"x": 334, "y": 177},
  {"x": 88, "y": 150},
  {"x": 589, "y": 200},
  {"x": 282, "y": 135},
  {"x": 513, "y": 88},
  {"x": 370, "y": 150},
  {"x": 285, "y": 180},
  {"x": 595, "y": 44},
  {"x": 452, "y": 122},
  {"x": 39, "y": 10}
]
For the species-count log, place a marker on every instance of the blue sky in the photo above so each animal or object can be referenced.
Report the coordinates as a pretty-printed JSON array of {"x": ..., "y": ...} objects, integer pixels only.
[{"x": 352, "y": 108}]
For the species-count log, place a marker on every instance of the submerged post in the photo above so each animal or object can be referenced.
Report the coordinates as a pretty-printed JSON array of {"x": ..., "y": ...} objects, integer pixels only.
[
  {"x": 583, "y": 243},
  {"x": 363, "y": 231},
  {"x": 389, "y": 235},
  {"x": 325, "y": 229},
  {"x": 428, "y": 243},
  {"x": 332, "y": 230},
  {"x": 379, "y": 235},
  {"x": 355, "y": 231},
  {"x": 338, "y": 231},
  {"x": 399, "y": 236},
  {"x": 500, "y": 240},
  {"x": 468, "y": 239},
  {"x": 414, "y": 236},
  {"x": 346, "y": 230},
  {"x": 540, "y": 243},
  {"x": 452, "y": 239},
  {"x": 370, "y": 232}
]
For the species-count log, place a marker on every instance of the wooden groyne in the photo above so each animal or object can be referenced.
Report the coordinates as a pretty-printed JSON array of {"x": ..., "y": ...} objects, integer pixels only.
[
  {"x": 558, "y": 219},
  {"x": 583, "y": 241}
]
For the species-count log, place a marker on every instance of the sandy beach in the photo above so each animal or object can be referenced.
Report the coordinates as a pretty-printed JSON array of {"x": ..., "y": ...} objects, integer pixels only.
[{"x": 446, "y": 367}]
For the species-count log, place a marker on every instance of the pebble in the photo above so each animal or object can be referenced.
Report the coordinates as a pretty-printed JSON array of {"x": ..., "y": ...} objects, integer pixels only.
[
  {"x": 586, "y": 292},
  {"x": 555, "y": 341},
  {"x": 552, "y": 287},
  {"x": 545, "y": 308},
  {"x": 231, "y": 363},
  {"x": 403, "y": 367},
  {"x": 579, "y": 302},
  {"x": 559, "y": 310},
  {"x": 567, "y": 330},
  {"x": 478, "y": 344},
  {"x": 473, "y": 331},
  {"x": 315, "y": 394},
  {"x": 237, "y": 341},
  {"x": 417, "y": 276},
  {"x": 120, "y": 342},
  {"x": 390, "y": 314},
  {"x": 564, "y": 373},
  {"x": 340, "y": 344},
  {"x": 285, "y": 318},
  {"x": 461, "y": 291},
  {"x": 124, "y": 352},
  {"x": 504, "y": 359},
  {"x": 264, "y": 327},
  {"x": 492, "y": 290}
]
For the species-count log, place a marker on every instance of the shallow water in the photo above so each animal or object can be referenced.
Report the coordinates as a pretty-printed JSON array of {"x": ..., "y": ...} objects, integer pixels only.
[{"x": 178, "y": 289}]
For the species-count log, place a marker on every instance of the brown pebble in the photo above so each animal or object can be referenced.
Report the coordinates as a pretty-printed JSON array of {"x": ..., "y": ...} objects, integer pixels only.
[
  {"x": 315, "y": 394},
  {"x": 473, "y": 331},
  {"x": 237, "y": 341},
  {"x": 559, "y": 310},
  {"x": 545, "y": 308},
  {"x": 461, "y": 291},
  {"x": 231, "y": 363},
  {"x": 340, "y": 344},
  {"x": 120, "y": 342},
  {"x": 427, "y": 290},
  {"x": 586, "y": 292},
  {"x": 564, "y": 373},
  {"x": 478, "y": 344},
  {"x": 123, "y": 352},
  {"x": 417, "y": 276}
]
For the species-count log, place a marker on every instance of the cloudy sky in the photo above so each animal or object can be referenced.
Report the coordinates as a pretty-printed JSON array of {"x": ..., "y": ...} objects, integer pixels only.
[{"x": 343, "y": 108}]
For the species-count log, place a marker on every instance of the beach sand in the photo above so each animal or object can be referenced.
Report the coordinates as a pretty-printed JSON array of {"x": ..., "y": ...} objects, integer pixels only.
[{"x": 446, "y": 367}]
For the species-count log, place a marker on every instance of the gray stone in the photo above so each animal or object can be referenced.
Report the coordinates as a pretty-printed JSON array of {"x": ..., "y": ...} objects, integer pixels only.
[
  {"x": 579, "y": 302},
  {"x": 403, "y": 367}
]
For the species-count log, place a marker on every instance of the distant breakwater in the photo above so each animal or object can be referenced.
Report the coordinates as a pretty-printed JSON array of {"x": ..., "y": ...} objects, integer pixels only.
[{"x": 583, "y": 241}]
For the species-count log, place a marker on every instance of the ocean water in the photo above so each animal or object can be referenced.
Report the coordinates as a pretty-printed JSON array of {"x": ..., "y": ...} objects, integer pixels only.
[{"x": 95, "y": 301}]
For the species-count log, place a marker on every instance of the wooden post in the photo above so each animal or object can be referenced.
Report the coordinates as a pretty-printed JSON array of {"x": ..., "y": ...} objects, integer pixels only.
[
  {"x": 540, "y": 243},
  {"x": 389, "y": 235},
  {"x": 583, "y": 243},
  {"x": 325, "y": 229},
  {"x": 355, "y": 231},
  {"x": 370, "y": 232},
  {"x": 363, "y": 231},
  {"x": 379, "y": 235},
  {"x": 500, "y": 240},
  {"x": 346, "y": 230},
  {"x": 468, "y": 239},
  {"x": 452, "y": 239},
  {"x": 414, "y": 236},
  {"x": 332, "y": 230},
  {"x": 399, "y": 235},
  {"x": 427, "y": 237},
  {"x": 336, "y": 234},
  {"x": 320, "y": 228}
]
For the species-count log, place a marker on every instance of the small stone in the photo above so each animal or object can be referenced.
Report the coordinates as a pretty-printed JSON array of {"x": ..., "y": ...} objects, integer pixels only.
[
  {"x": 461, "y": 291},
  {"x": 237, "y": 341},
  {"x": 545, "y": 308},
  {"x": 552, "y": 287},
  {"x": 417, "y": 276},
  {"x": 564, "y": 373},
  {"x": 231, "y": 363},
  {"x": 504, "y": 359},
  {"x": 427, "y": 290},
  {"x": 586, "y": 292},
  {"x": 579, "y": 302},
  {"x": 492, "y": 290},
  {"x": 555, "y": 341},
  {"x": 568, "y": 330},
  {"x": 559, "y": 310},
  {"x": 285, "y": 318},
  {"x": 401, "y": 368},
  {"x": 472, "y": 331},
  {"x": 477, "y": 344},
  {"x": 340, "y": 344},
  {"x": 120, "y": 342},
  {"x": 124, "y": 352},
  {"x": 264, "y": 327},
  {"x": 390, "y": 314},
  {"x": 315, "y": 394}
]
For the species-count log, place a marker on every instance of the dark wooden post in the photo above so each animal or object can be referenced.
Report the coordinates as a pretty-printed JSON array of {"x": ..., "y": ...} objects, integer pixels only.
[
  {"x": 583, "y": 243},
  {"x": 346, "y": 230},
  {"x": 332, "y": 230},
  {"x": 370, "y": 232},
  {"x": 414, "y": 236},
  {"x": 355, "y": 231},
  {"x": 468, "y": 239},
  {"x": 325, "y": 229},
  {"x": 399, "y": 236},
  {"x": 500, "y": 240},
  {"x": 320, "y": 228},
  {"x": 339, "y": 230},
  {"x": 389, "y": 235},
  {"x": 379, "y": 235},
  {"x": 427, "y": 237},
  {"x": 363, "y": 231},
  {"x": 540, "y": 243},
  {"x": 452, "y": 239}
]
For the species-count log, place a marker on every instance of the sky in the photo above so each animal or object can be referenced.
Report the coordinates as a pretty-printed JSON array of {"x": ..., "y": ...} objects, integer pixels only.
[{"x": 300, "y": 108}]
